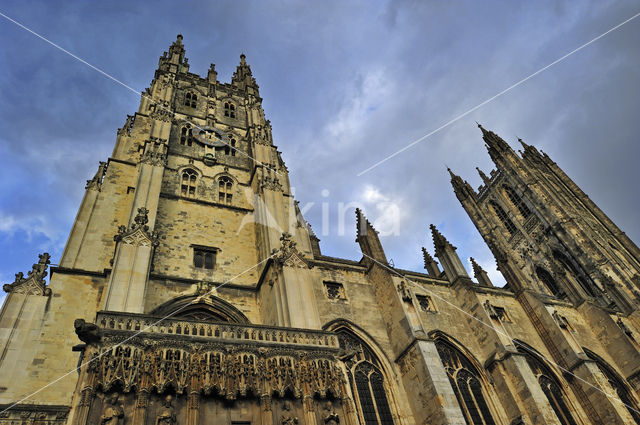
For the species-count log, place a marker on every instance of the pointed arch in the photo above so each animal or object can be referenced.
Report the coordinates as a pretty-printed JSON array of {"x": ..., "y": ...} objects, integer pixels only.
[
  {"x": 625, "y": 395},
  {"x": 550, "y": 383},
  {"x": 467, "y": 380},
  {"x": 573, "y": 272},
  {"x": 209, "y": 309},
  {"x": 367, "y": 372},
  {"x": 548, "y": 281}
]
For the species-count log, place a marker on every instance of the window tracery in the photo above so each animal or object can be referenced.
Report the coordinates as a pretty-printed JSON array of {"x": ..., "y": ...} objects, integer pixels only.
[
  {"x": 550, "y": 385},
  {"x": 466, "y": 384},
  {"x": 366, "y": 380},
  {"x": 225, "y": 190},
  {"x": 517, "y": 201},
  {"x": 188, "y": 184},
  {"x": 190, "y": 99},
  {"x": 229, "y": 110},
  {"x": 618, "y": 385},
  {"x": 230, "y": 149},
  {"x": 504, "y": 218}
]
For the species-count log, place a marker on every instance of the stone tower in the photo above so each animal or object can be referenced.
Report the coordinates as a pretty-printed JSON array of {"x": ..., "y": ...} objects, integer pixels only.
[{"x": 191, "y": 291}]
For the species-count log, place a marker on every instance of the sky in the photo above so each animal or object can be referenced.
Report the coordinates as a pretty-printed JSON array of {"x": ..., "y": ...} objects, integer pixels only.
[{"x": 345, "y": 84}]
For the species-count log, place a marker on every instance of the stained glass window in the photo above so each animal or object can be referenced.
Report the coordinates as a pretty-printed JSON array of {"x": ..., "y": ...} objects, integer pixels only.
[
  {"x": 464, "y": 379},
  {"x": 367, "y": 380}
]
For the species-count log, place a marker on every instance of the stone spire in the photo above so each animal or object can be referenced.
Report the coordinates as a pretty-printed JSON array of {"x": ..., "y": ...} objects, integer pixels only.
[
  {"x": 480, "y": 275},
  {"x": 368, "y": 239},
  {"x": 462, "y": 188},
  {"x": 430, "y": 264},
  {"x": 483, "y": 176},
  {"x": 448, "y": 257}
]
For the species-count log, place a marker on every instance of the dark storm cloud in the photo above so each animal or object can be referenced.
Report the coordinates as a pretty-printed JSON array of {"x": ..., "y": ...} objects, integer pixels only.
[{"x": 345, "y": 84}]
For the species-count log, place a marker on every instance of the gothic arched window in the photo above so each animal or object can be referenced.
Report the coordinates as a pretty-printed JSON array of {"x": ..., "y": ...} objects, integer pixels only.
[
  {"x": 548, "y": 281},
  {"x": 506, "y": 221},
  {"x": 225, "y": 190},
  {"x": 185, "y": 135},
  {"x": 466, "y": 384},
  {"x": 190, "y": 99},
  {"x": 517, "y": 201},
  {"x": 550, "y": 386},
  {"x": 188, "y": 184},
  {"x": 229, "y": 110},
  {"x": 573, "y": 272},
  {"x": 366, "y": 379},
  {"x": 230, "y": 149},
  {"x": 618, "y": 385}
]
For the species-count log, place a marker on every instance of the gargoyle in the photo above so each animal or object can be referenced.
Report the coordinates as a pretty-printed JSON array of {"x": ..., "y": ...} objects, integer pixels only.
[{"x": 87, "y": 332}]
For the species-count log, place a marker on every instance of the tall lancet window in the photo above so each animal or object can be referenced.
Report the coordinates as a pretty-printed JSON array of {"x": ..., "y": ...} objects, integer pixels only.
[
  {"x": 225, "y": 190},
  {"x": 550, "y": 385},
  {"x": 467, "y": 385},
  {"x": 617, "y": 383},
  {"x": 367, "y": 381},
  {"x": 548, "y": 281},
  {"x": 517, "y": 201},
  {"x": 504, "y": 218}
]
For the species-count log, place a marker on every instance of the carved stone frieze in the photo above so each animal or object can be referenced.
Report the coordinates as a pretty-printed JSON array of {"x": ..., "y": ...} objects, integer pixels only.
[
  {"x": 138, "y": 233},
  {"x": 34, "y": 283},
  {"x": 288, "y": 254},
  {"x": 155, "y": 153},
  {"x": 34, "y": 413}
]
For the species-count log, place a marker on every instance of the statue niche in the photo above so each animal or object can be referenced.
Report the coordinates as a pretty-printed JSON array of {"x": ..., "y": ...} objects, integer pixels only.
[
  {"x": 167, "y": 414},
  {"x": 112, "y": 413}
]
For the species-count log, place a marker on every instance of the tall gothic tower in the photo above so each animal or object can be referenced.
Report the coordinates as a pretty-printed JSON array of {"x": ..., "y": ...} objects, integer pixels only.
[{"x": 191, "y": 291}]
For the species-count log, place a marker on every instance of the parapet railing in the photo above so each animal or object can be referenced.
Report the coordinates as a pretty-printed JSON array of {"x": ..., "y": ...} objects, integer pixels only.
[{"x": 231, "y": 332}]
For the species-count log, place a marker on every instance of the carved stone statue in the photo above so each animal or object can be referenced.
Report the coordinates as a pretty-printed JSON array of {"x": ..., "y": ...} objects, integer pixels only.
[
  {"x": 87, "y": 332},
  {"x": 167, "y": 415},
  {"x": 287, "y": 417},
  {"x": 330, "y": 416},
  {"x": 112, "y": 412}
]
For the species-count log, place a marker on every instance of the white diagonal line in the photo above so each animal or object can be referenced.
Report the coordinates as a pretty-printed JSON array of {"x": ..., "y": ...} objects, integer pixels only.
[
  {"x": 114, "y": 79},
  {"x": 433, "y": 294},
  {"x": 464, "y": 114}
]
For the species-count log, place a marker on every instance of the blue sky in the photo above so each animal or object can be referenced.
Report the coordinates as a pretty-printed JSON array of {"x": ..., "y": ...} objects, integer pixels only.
[{"x": 344, "y": 84}]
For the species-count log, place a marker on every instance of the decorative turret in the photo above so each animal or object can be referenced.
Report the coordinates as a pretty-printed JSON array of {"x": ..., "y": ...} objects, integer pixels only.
[
  {"x": 430, "y": 264},
  {"x": 498, "y": 149},
  {"x": 368, "y": 239},
  {"x": 212, "y": 74},
  {"x": 243, "y": 79},
  {"x": 174, "y": 61},
  {"x": 446, "y": 253},
  {"x": 480, "y": 275},
  {"x": 461, "y": 187}
]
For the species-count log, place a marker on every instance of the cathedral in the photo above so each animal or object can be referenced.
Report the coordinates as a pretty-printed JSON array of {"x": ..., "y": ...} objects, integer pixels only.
[{"x": 191, "y": 290}]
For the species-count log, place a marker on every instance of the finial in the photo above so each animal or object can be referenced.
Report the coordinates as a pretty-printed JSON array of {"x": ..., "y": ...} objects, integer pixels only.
[
  {"x": 483, "y": 176},
  {"x": 439, "y": 241},
  {"x": 480, "y": 274},
  {"x": 179, "y": 38},
  {"x": 524, "y": 145},
  {"x": 243, "y": 59}
]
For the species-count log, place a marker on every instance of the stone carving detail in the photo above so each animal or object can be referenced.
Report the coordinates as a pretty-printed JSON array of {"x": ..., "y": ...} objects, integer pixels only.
[
  {"x": 34, "y": 284},
  {"x": 138, "y": 233},
  {"x": 128, "y": 125},
  {"x": 288, "y": 254},
  {"x": 87, "y": 332},
  {"x": 561, "y": 320},
  {"x": 404, "y": 292},
  {"x": 113, "y": 412},
  {"x": 155, "y": 153},
  {"x": 96, "y": 182},
  {"x": 167, "y": 415},
  {"x": 35, "y": 414},
  {"x": 330, "y": 416},
  {"x": 287, "y": 417},
  {"x": 230, "y": 372},
  {"x": 271, "y": 183},
  {"x": 162, "y": 112}
]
